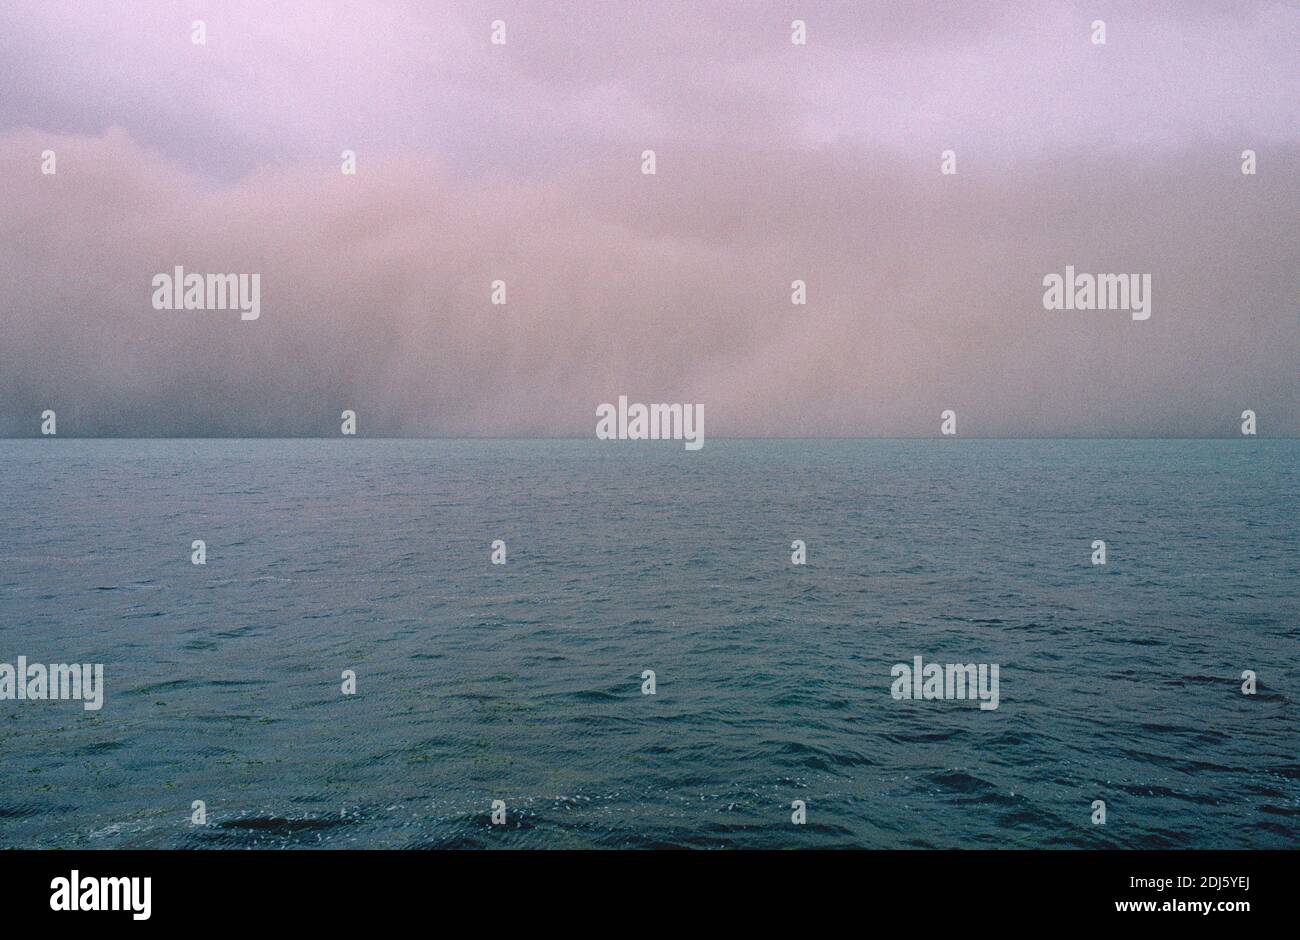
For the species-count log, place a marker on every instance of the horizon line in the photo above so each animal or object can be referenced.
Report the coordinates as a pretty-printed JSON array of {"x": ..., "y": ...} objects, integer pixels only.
[{"x": 395, "y": 437}]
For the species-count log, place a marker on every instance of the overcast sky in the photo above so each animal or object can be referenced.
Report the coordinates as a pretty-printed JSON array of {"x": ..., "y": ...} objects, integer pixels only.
[{"x": 775, "y": 162}]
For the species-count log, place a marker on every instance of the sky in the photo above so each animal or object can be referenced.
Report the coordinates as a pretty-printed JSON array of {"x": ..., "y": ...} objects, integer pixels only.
[{"x": 775, "y": 162}]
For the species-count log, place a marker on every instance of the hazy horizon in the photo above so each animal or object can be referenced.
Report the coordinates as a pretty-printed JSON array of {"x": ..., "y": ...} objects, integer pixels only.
[
  {"x": 775, "y": 162},
  {"x": 647, "y": 443}
]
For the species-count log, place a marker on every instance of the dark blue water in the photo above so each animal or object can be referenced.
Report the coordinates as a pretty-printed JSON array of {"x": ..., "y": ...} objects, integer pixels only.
[{"x": 522, "y": 682}]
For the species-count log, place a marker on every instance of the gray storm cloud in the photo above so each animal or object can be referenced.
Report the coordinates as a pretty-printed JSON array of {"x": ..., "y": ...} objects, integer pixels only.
[{"x": 924, "y": 291}]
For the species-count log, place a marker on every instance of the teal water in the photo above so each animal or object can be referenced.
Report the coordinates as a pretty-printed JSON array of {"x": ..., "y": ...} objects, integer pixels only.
[{"x": 522, "y": 682}]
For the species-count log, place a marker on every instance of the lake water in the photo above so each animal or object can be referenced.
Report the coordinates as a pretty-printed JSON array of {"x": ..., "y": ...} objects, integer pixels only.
[{"x": 522, "y": 682}]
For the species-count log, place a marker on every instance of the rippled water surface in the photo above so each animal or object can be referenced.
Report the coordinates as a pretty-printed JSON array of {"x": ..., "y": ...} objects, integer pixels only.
[{"x": 522, "y": 682}]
